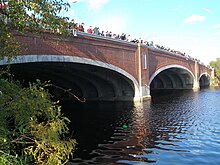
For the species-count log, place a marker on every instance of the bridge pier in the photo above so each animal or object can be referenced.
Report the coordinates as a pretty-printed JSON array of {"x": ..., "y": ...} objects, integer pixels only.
[
  {"x": 196, "y": 86},
  {"x": 143, "y": 94},
  {"x": 196, "y": 81},
  {"x": 146, "y": 92},
  {"x": 144, "y": 89}
]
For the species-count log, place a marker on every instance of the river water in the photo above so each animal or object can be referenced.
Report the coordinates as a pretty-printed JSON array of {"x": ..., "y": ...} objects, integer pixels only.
[{"x": 180, "y": 128}]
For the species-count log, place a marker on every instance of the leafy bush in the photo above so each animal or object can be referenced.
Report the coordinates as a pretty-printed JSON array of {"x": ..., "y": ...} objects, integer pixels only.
[{"x": 32, "y": 127}]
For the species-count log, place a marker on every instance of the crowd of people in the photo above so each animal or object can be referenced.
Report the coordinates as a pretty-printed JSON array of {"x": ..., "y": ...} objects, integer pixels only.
[
  {"x": 125, "y": 37},
  {"x": 96, "y": 31}
]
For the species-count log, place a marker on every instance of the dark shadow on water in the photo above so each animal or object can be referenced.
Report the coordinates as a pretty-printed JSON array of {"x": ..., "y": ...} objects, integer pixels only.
[
  {"x": 158, "y": 131},
  {"x": 93, "y": 123},
  {"x": 166, "y": 95}
]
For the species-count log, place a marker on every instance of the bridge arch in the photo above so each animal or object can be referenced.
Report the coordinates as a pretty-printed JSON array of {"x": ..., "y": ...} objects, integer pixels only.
[
  {"x": 113, "y": 86},
  {"x": 204, "y": 80},
  {"x": 182, "y": 76}
]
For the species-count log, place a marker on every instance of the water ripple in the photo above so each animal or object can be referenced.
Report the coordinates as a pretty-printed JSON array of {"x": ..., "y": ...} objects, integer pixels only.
[{"x": 179, "y": 129}]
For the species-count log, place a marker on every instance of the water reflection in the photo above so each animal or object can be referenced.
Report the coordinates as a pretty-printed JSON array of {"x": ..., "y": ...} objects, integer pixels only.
[{"x": 181, "y": 128}]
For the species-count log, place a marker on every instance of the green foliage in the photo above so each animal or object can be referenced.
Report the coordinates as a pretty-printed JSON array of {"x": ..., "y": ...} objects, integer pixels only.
[
  {"x": 32, "y": 15},
  {"x": 32, "y": 127},
  {"x": 216, "y": 65},
  {"x": 35, "y": 14},
  {"x": 9, "y": 47}
]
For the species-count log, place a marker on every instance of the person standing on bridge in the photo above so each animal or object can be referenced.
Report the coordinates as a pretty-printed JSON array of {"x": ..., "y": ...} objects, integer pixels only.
[
  {"x": 81, "y": 27},
  {"x": 89, "y": 30},
  {"x": 96, "y": 31},
  {"x": 73, "y": 27}
]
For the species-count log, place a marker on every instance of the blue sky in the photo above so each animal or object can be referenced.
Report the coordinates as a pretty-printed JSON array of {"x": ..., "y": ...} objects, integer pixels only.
[{"x": 190, "y": 26}]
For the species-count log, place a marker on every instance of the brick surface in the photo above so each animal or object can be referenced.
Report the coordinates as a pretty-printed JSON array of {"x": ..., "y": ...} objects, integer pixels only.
[{"x": 121, "y": 54}]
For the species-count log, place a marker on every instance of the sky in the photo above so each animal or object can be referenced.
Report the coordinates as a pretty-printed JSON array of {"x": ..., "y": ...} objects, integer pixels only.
[{"x": 190, "y": 26}]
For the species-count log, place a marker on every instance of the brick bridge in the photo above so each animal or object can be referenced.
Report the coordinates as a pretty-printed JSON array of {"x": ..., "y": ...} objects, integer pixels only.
[{"x": 100, "y": 68}]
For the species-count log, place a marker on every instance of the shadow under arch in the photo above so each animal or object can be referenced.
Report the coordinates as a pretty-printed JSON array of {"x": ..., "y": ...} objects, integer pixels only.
[
  {"x": 204, "y": 80},
  {"x": 111, "y": 82},
  {"x": 171, "y": 78}
]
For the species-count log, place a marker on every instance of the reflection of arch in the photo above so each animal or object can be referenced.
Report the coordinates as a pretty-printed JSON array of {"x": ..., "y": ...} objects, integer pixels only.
[
  {"x": 72, "y": 59},
  {"x": 169, "y": 67}
]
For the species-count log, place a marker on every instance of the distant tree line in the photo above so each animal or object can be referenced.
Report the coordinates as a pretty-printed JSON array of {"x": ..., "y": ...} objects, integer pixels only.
[{"x": 216, "y": 65}]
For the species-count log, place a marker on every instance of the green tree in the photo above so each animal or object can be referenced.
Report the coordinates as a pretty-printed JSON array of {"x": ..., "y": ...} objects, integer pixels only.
[
  {"x": 34, "y": 15},
  {"x": 216, "y": 65},
  {"x": 32, "y": 128}
]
